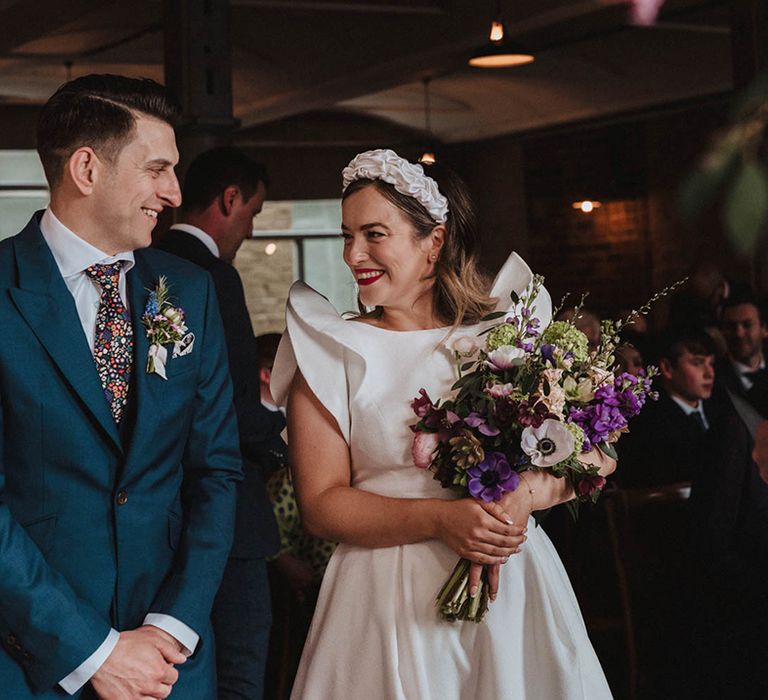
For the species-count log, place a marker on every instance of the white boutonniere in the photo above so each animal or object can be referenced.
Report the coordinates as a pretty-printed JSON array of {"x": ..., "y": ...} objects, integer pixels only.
[{"x": 165, "y": 324}]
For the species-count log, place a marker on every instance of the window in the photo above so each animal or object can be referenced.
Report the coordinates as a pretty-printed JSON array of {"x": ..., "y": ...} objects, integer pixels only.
[
  {"x": 296, "y": 240},
  {"x": 23, "y": 190}
]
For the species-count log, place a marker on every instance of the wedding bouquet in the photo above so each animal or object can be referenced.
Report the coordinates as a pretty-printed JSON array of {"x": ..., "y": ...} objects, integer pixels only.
[{"x": 526, "y": 398}]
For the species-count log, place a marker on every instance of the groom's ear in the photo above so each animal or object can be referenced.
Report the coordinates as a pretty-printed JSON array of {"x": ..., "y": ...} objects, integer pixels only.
[{"x": 83, "y": 166}]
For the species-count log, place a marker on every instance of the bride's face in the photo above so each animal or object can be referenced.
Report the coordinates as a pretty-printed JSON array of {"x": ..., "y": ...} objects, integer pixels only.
[{"x": 391, "y": 266}]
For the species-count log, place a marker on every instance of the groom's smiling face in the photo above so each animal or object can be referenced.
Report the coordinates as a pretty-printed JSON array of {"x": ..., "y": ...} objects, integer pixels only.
[{"x": 135, "y": 187}]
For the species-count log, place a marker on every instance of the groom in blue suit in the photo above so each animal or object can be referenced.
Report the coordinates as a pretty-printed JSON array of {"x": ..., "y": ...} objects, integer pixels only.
[{"x": 117, "y": 478}]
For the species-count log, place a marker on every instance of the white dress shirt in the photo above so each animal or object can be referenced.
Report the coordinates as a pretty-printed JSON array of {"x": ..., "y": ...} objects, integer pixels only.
[
  {"x": 201, "y": 236},
  {"x": 743, "y": 370},
  {"x": 688, "y": 409},
  {"x": 73, "y": 256}
]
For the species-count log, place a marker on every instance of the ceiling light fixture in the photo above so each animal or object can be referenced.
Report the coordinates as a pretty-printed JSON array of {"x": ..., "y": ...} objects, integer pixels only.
[
  {"x": 587, "y": 205},
  {"x": 500, "y": 51},
  {"x": 428, "y": 157}
]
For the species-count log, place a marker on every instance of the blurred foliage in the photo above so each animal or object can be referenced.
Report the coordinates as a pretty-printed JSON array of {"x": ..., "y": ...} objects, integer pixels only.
[{"x": 734, "y": 172}]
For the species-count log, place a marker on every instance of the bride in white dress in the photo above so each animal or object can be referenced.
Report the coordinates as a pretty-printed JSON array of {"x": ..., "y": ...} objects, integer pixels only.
[{"x": 409, "y": 240}]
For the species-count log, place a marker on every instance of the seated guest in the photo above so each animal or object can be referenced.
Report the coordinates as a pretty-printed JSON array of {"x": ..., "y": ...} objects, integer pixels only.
[
  {"x": 586, "y": 321},
  {"x": 664, "y": 442},
  {"x": 729, "y": 538},
  {"x": 302, "y": 559},
  {"x": 631, "y": 351},
  {"x": 743, "y": 371}
]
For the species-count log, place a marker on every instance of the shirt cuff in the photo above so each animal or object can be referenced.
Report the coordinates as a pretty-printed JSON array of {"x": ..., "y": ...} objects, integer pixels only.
[
  {"x": 84, "y": 672},
  {"x": 186, "y": 636}
]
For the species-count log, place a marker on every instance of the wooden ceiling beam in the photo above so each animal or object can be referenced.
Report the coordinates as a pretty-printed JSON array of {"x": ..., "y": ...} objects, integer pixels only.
[{"x": 24, "y": 21}]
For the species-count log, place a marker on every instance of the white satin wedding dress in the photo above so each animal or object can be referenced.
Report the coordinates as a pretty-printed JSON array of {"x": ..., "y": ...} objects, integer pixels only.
[{"x": 376, "y": 634}]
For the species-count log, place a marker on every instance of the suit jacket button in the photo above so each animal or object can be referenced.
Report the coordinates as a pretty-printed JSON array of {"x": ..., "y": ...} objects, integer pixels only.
[{"x": 122, "y": 498}]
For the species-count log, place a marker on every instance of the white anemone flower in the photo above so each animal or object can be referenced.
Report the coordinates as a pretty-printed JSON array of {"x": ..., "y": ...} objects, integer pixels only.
[
  {"x": 548, "y": 444},
  {"x": 506, "y": 357}
]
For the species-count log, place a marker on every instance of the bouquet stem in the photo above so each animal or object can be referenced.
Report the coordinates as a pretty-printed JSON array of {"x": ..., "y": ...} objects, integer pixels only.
[{"x": 454, "y": 601}]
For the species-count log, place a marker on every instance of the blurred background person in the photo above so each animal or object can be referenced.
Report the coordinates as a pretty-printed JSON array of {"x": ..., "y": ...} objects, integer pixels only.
[{"x": 223, "y": 190}]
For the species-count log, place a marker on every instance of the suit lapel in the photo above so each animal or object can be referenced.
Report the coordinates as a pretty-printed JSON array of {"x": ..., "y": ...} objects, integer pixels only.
[
  {"x": 47, "y": 306},
  {"x": 140, "y": 280}
]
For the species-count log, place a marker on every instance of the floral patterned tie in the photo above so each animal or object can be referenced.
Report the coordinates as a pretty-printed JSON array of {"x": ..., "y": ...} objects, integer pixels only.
[{"x": 113, "y": 341}]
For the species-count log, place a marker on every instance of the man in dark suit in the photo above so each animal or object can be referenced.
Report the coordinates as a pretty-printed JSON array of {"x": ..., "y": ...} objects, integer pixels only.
[
  {"x": 223, "y": 191},
  {"x": 117, "y": 483},
  {"x": 729, "y": 541},
  {"x": 743, "y": 371},
  {"x": 664, "y": 443}
]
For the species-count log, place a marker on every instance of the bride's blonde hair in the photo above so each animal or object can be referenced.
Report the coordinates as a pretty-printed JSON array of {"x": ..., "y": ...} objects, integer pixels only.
[{"x": 460, "y": 292}]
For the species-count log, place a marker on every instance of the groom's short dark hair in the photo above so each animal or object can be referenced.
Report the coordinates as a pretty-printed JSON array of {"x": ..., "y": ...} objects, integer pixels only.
[{"x": 97, "y": 111}]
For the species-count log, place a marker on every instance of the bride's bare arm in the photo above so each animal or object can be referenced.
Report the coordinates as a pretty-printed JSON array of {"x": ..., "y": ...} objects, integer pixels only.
[
  {"x": 548, "y": 490},
  {"x": 330, "y": 508}
]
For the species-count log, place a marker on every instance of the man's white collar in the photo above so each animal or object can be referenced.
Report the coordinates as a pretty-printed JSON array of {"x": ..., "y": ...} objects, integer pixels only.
[
  {"x": 73, "y": 254},
  {"x": 201, "y": 236}
]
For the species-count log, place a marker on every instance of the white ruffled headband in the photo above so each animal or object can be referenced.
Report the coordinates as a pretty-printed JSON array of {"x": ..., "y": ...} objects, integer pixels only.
[{"x": 407, "y": 178}]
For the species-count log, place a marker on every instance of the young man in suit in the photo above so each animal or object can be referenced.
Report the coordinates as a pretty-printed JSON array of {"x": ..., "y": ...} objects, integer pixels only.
[
  {"x": 223, "y": 190},
  {"x": 117, "y": 483},
  {"x": 664, "y": 442}
]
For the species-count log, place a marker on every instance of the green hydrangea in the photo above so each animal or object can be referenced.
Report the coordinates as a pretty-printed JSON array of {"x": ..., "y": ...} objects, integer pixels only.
[
  {"x": 578, "y": 437},
  {"x": 568, "y": 338},
  {"x": 505, "y": 334}
]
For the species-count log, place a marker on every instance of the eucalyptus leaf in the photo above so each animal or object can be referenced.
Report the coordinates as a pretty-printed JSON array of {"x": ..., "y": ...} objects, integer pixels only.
[
  {"x": 746, "y": 206},
  {"x": 609, "y": 450},
  {"x": 493, "y": 315}
]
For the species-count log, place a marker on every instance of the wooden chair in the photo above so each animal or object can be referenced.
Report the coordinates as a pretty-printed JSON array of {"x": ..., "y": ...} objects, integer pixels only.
[{"x": 647, "y": 530}]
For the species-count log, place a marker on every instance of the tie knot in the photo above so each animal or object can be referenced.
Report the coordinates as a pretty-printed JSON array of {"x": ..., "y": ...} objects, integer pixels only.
[{"x": 107, "y": 276}]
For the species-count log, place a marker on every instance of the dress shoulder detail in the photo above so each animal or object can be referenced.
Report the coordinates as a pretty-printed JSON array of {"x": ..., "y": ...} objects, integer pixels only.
[
  {"x": 516, "y": 276},
  {"x": 320, "y": 343}
]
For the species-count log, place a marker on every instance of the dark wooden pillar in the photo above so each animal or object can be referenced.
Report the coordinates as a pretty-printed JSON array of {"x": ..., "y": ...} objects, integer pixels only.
[
  {"x": 198, "y": 70},
  {"x": 749, "y": 40}
]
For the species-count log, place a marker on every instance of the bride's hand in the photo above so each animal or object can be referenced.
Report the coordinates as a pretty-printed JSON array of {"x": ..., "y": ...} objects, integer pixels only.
[
  {"x": 479, "y": 531},
  {"x": 476, "y": 570}
]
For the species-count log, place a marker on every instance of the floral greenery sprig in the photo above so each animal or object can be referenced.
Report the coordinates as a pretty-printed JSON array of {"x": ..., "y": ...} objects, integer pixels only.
[
  {"x": 526, "y": 398},
  {"x": 164, "y": 323}
]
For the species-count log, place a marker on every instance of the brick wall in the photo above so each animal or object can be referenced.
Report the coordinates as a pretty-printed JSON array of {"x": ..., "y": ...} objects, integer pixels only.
[{"x": 266, "y": 279}]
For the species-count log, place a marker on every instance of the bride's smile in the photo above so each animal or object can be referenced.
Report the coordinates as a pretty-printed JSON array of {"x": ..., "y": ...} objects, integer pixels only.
[{"x": 392, "y": 267}]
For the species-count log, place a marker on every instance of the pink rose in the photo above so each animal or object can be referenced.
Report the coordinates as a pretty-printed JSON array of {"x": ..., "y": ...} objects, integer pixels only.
[{"x": 424, "y": 444}]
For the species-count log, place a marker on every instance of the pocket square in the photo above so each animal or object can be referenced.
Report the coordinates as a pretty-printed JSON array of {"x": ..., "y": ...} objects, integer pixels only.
[{"x": 184, "y": 346}]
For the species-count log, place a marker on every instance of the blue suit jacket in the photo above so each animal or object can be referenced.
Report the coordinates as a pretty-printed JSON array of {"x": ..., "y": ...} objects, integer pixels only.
[{"x": 74, "y": 560}]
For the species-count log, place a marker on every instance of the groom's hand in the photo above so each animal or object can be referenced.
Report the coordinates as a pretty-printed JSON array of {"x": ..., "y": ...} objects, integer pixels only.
[{"x": 139, "y": 667}]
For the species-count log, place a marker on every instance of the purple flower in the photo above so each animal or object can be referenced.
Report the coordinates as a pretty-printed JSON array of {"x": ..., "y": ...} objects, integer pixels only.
[
  {"x": 590, "y": 485},
  {"x": 531, "y": 413},
  {"x": 548, "y": 352},
  {"x": 598, "y": 421},
  {"x": 447, "y": 423},
  {"x": 492, "y": 478},
  {"x": 475, "y": 420},
  {"x": 422, "y": 405}
]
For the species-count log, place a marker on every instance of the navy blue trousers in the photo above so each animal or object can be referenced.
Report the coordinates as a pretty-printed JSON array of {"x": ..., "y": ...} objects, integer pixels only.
[{"x": 242, "y": 618}]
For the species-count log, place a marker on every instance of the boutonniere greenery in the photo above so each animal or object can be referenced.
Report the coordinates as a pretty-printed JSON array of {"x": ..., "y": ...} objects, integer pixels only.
[{"x": 165, "y": 324}]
